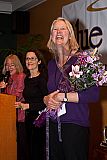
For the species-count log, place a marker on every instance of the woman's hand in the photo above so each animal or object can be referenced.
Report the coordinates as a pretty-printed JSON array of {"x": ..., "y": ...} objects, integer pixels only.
[
  {"x": 22, "y": 106},
  {"x": 3, "y": 84},
  {"x": 51, "y": 101}
]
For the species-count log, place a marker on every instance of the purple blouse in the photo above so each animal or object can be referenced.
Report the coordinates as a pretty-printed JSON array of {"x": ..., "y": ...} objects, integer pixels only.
[{"x": 77, "y": 113}]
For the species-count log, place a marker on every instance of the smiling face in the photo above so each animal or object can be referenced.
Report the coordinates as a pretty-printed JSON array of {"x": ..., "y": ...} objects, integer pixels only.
[
  {"x": 10, "y": 66},
  {"x": 60, "y": 34},
  {"x": 32, "y": 61}
]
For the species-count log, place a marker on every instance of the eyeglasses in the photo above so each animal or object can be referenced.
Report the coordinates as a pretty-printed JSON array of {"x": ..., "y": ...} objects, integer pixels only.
[
  {"x": 30, "y": 58},
  {"x": 11, "y": 65}
]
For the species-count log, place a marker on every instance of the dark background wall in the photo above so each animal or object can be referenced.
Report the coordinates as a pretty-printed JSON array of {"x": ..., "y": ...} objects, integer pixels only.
[
  {"x": 8, "y": 40},
  {"x": 15, "y": 29},
  {"x": 41, "y": 18},
  {"x": 11, "y": 25}
]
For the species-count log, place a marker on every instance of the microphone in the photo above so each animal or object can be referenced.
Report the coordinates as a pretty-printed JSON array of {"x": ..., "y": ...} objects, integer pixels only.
[
  {"x": 6, "y": 76},
  {"x": 5, "y": 79}
]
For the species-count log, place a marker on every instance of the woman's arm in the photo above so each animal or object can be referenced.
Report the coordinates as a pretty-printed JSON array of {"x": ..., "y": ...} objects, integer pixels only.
[
  {"x": 20, "y": 87},
  {"x": 89, "y": 95},
  {"x": 71, "y": 97}
]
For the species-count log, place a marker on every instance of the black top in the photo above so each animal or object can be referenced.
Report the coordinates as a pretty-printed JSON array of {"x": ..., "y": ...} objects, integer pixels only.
[{"x": 34, "y": 91}]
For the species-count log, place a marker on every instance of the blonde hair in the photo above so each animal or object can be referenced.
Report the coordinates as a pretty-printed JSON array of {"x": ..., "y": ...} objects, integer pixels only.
[
  {"x": 15, "y": 60},
  {"x": 73, "y": 45}
]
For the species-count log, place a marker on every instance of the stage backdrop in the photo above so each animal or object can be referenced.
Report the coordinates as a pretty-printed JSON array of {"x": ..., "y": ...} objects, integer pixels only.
[{"x": 89, "y": 18}]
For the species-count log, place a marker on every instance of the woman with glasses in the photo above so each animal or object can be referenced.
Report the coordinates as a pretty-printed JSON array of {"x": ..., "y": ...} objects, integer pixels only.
[
  {"x": 13, "y": 84},
  {"x": 34, "y": 91}
]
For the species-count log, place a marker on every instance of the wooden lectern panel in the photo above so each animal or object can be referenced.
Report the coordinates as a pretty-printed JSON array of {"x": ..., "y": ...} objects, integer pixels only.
[{"x": 8, "y": 144}]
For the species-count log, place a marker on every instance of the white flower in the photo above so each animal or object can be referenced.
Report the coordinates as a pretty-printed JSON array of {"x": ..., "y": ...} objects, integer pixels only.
[
  {"x": 89, "y": 59},
  {"x": 75, "y": 71},
  {"x": 105, "y": 73}
]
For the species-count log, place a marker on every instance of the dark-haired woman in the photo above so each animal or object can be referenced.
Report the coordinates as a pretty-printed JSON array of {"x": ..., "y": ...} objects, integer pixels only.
[{"x": 34, "y": 91}]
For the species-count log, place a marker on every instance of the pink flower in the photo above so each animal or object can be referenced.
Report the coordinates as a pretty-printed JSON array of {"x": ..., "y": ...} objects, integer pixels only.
[{"x": 75, "y": 71}]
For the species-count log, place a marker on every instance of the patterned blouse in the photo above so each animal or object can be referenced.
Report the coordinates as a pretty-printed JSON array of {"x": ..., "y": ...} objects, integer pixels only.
[{"x": 15, "y": 86}]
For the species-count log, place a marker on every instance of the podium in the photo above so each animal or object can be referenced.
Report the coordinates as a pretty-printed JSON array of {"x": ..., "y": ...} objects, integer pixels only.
[{"x": 8, "y": 143}]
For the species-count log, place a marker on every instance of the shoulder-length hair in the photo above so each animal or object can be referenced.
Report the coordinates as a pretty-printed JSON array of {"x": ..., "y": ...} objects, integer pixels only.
[
  {"x": 73, "y": 45},
  {"x": 15, "y": 60}
]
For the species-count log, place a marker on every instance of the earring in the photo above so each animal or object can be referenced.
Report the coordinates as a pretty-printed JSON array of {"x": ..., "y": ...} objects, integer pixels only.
[{"x": 39, "y": 62}]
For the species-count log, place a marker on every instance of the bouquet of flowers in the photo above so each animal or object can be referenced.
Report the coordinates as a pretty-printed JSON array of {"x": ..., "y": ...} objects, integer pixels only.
[{"x": 87, "y": 71}]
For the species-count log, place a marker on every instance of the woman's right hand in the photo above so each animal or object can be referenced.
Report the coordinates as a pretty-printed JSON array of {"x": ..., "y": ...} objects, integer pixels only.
[
  {"x": 50, "y": 101},
  {"x": 21, "y": 105},
  {"x": 3, "y": 84}
]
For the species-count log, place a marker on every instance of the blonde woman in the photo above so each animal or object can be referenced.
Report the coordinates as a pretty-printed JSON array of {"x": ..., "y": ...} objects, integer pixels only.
[
  {"x": 15, "y": 86},
  {"x": 15, "y": 83},
  {"x": 69, "y": 132}
]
